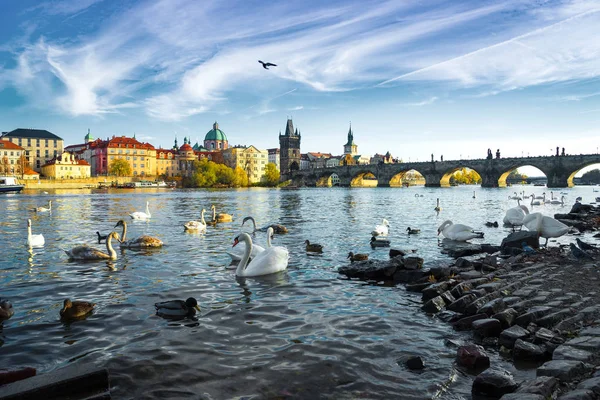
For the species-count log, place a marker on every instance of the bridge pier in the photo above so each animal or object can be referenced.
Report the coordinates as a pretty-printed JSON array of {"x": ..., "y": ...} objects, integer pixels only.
[{"x": 383, "y": 184}]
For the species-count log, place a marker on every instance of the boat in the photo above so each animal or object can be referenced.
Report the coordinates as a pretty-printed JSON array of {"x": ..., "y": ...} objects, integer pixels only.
[
  {"x": 10, "y": 184},
  {"x": 146, "y": 184}
]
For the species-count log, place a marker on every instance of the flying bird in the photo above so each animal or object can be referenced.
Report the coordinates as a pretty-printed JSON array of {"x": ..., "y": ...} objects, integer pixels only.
[{"x": 266, "y": 65}]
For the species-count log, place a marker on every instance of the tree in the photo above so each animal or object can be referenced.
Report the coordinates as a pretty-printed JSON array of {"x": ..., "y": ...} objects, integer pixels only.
[
  {"x": 271, "y": 174},
  {"x": 592, "y": 176},
  {"x": 241, "y": 179},
  {"x": 515, "y": 175},
  {"x": 119, "y": 167},
  {"x": 466, "y": 176}
]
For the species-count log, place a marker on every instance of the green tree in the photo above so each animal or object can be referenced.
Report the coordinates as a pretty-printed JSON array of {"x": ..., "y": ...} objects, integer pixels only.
[
  {"x": 592, "y": 176},
  {"x": 271, "y": 174},
  {"x": 515, "y": 175},
  {"x": 119, "y": 167}
]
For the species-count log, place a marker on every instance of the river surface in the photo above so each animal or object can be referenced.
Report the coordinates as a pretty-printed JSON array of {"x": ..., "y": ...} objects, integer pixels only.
[{"x": 302, "y": 333}]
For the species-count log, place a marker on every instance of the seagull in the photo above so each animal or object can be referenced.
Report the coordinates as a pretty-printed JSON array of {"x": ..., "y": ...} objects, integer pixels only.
[
  {"x": 266, "y": 65},
  {"x": 578, "y": 253},
  {"x": 585, "y": 246}
]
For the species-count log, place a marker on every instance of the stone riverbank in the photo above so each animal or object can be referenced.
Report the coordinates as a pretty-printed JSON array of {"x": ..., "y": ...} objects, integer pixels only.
[{"x": 541, "y": 307}]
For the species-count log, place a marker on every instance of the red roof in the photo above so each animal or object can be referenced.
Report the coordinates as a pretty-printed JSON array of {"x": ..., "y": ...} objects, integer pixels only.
[
  {"x": 59, "y": 158},
  {"x": 319, "y": 155},
  {"x": 5, "y": 144},
  {"x": 186, "y": 147},
  {"x": 29, "y": 171}
]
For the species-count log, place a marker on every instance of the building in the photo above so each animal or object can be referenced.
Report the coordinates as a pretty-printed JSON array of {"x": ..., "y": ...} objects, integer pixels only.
[
  {"x": 101, "y": 153},
  {"x": 333, "y": 162},
  {"x": 274, "y": 157},
  {"x": 179, "y": 161},
  {"x": 318, "y": 160},
  {"x": 12, "y": 159},
  {"x": 40, "y": 145},
  {"x": 289, "y": 150},
  {"x": 216, "y": 139},
  {"x": 382, "y": 159},
  {"x": 351, "y": 156},
  {"x": 252, "y": 160},
  {"x": 304, "y": 162},
  {"x": 350, "y": 147},
  {"x": 66, "y": 166}
]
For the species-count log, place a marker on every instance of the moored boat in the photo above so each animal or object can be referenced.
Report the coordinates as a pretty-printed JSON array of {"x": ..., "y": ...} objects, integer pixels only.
[{"x": 10, "y": 184}]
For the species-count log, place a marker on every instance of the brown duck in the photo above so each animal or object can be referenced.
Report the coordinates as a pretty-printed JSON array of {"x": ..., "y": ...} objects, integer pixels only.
[
  {"x": 315, "y": 248},
  {"x": 75, "y": 309},
  {"x": 357, "y": 257}
]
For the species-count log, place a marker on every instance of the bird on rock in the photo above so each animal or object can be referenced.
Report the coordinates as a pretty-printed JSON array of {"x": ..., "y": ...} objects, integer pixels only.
[
  {"x": 527, "y": 249},
  {"x": 357, "y": 257},
  {"x": 578, "y": 253},
  {"x": 585, "y": 246}
]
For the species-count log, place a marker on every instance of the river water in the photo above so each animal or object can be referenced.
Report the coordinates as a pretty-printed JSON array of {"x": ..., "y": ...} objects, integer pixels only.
[{"x": 302, "y": 333}]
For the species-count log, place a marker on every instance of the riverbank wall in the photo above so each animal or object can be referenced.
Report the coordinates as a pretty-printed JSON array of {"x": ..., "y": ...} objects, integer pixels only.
[{"x": 88, "y": 183}]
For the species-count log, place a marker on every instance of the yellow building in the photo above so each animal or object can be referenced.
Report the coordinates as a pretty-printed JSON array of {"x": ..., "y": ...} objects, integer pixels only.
[
  {"x": 250, "y": 159},
  {"x": 140, "y": 156},
  {"x": 40, "y": 145},
  {"x": 66, "y": 166},
  {"x": 11, "y": 163}
]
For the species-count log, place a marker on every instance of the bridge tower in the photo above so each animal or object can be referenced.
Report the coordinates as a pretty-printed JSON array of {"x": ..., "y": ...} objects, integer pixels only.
[{"x": 289, "y": 151}]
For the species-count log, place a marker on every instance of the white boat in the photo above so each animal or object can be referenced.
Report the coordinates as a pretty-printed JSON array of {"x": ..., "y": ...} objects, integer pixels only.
[
  {"x": 147, "y": 184},
  {"x": 10, "y": 184}
]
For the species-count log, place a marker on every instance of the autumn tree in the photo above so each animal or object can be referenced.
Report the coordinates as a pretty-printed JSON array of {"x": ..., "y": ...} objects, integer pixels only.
[
  {"x": 241, "y": 178},
  {"x": 271, "y": 174},
  {"x": 119, "y": 167},
  {"x": 592, "y": 176},
  {"x": 466, "y": 176}
]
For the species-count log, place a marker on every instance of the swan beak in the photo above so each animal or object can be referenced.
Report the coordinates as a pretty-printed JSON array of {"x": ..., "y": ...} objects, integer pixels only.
[
  {"x": 235, "y": 242},
  {"x": 438, "y": 233},
  {"x": 197, "y": 307}
]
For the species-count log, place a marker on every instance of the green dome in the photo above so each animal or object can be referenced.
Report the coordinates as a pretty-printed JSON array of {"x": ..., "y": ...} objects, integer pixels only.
[{"x": 215, "y": 133}]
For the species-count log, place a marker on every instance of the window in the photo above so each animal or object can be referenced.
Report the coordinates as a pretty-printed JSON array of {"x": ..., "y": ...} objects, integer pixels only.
[
  {"x": 20, "y": 141},
  {"x": 141, "y": 165},
  {"x": 212, "y": 145},
  {"x": 220, "y": 145},
  {"x": 46, "y": 143},
  {"x": 134, "y": 165},
  {"x": 128, "y": 158},
  {"x": 61, "y": 168},
  {"x": 37, "y": 142},
  {"x": 127, "y": 151},
  {"x": 135, "y": 158},
  {"x": 46, "y": 153},
  {"x": 12, "y": 153},
  {"x": 37, "y": 152},
  {"x": 55, "y": 143},
  {"x": 112, "y": 157},
  {"x": 256, "y": 155}
]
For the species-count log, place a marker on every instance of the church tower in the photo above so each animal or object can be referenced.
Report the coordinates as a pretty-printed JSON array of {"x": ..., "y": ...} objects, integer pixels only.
[
  {"x": 289, "y": 151},
  {"x": 89, "y": 137},
  {"x": 350, "y": 147}
]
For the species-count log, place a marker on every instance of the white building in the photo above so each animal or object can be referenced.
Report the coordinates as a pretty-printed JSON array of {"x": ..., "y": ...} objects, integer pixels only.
[{"x": 274, "y": 157}]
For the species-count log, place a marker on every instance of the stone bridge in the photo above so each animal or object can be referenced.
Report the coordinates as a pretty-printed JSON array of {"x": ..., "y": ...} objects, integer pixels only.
[{"x": 559, "y": 170}]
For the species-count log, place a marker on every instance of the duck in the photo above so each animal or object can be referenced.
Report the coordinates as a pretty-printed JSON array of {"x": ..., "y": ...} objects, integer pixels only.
[
  {"x": 382, "y": 229},
  {"x": 357, "y": 257},
  {"x": 143, "y": 241},
  {"x": 238, "y": 253},
  {"x": 579, "y": 253},
  {"x": 438, "y": 208},
  {"x": 196, "y": 225},
  {"x": 43, "y": 209},
  {"x": 277, "y": 228},
  {"x": 458, "y": 232},
  {"x": 412, "y": 231},
  {"x": 6, "y": 310},
  {"x": 177, "y": 308},
  {"x": 34, "y": 240},
  {"x": 514, "y": 216},
  {"x": 101, "y": 237},
  {"x": 272, "y": 260},
  {"x": 85, "y": 252},
  {"x": 221, "y": 217},
  {"x": 142, "y": 215},
  {"x": 315, "y": 248},
  {"x": 585, "y": 246},
  {"x": 396, "y": 253},
  {"x": 546, "y": 227},
  {"x": 378, "y": 241},
  {"x": 492, "y": 224},
  {"x": 73, "y": 310}
]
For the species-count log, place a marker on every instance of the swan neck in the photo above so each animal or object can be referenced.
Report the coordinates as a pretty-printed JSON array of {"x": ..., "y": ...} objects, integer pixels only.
[
  {"x": 246, "y": 257},
  {"x": 111, "y": 252},
  {"x": 28, "y": 231},
  {"x": 202, "y": 217},
  {"x": 124, "y": 232},
  {"x": 268, "y": 239}
]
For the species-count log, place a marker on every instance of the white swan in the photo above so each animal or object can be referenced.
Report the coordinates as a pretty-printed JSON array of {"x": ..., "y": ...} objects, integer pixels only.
[
  {"x": 514, "y": 216},
  {"x": 515, "y": 197},
  {"x": 274, "y": 259},
  {"x": 43, "y": 209},
  {"x": 381, "y": 230},
  {"x": 534, "y": 201},
  {"x": 143, "y": 241},
  {"x": 438, "y": 208},
  {"x": 196, "y": 225},
  {"x": 34, "y": 240},
  {"x": 561, "y": 201},
  {"x": 142, "y": 215},
  {"x": 546, "y": 227},
  {"x": 238, "y": 253},
  {"x": 542, "y": 197},
  {"x": 458, "y": 232},
  {"x": 85, "y": 252},
  {"x": 474, "y": 195}
]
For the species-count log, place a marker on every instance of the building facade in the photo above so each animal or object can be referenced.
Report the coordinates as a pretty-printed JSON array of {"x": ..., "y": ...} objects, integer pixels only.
[
  {"x": 252, "y": 160},
  {"x": 289, "y": 150},
  {"x": 216, "y": 139},
  {"x": 350, "y": 147},
  {"x": 274, "y": 157},
  {"x": 66, "y": 166},
  {"x": 304, "y": 162},
  {"x": 12, "y": 160},
  {"x": 179, "y": 161},
  {"x": 40, "y": 145}
]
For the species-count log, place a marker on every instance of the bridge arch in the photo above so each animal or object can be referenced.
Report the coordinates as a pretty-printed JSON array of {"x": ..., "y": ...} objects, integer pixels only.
[
  {"x": 447, "y": 176},
  {"x": 363, "y": 178},
  {"x": 503, "y": 180},
  {"x": 328, "y": 179},
  {"x": 571, "y": 177},
  {"x": 409, "y": 177}
]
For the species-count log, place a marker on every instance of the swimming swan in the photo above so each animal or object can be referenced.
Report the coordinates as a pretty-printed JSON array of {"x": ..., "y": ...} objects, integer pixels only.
[
  {"x": 34, "y": 240},
  {"x": 43, "y": 209},
  {"x": 514, "y": 216},
  {"x": 142, "y": 215},
  {"x": 221, "y": 217},
  {"x": 458, "y": 232},
  {"x": 546, "y": 227},
  {"x": 535, "y": 201},
  {"x": 85, "y": 252},
  {"x": 196, "y": 225},
  {"x": 438, "y": 208},
  {"x": 274, "y": 259},
  {"x": 238, "y": 253},
  {"x": 277, "y": 228},
  {"x": 381, "y": 230},
  {"x": 143, "y": 241},
  {"x": 561, "y": 201}
]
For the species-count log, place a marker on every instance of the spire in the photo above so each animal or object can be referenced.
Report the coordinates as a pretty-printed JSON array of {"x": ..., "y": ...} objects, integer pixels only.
[
  {"x": 175, "y": 145},
  {"x": 289, "y": 129},
  {"x": 215, "y": 126},
  {"x": 134, "y": 135}
]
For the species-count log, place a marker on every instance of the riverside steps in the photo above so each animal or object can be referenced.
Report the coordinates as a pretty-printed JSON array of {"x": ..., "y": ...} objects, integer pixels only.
[{"x": 541, "y": 309}]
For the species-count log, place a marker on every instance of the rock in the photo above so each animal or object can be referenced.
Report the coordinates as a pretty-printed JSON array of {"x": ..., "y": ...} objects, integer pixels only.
[
  {"x": 463, "y": 263},
  {"x": 396, "y": 253},
  {"x": 516, "y": 239},
  {"x": 416, "y": 287},
  {"x": 470, "y": 275},
  {"x": 480, "y": 302},
  {"x": 510, "y": 300},
  {"x": 525, "y": 351},
  {"x": 578, "y": 395},
  {"x": 491, "y": 286},
  {"x": 592, "y": 384},
  {"x": 408, "y": 276},
  {"x": 448, "y": 298},
  {"x": 487, "y": 327},
  {"x": 434, "y": 305},
  {"x": 415, "y": 363},
  {"x": 532, "y": 315},
  {"x": 563, "y": 370},
  {"x": 522, "y": 396},
  {"x": 490, "y": 260},
  {"x": 492, "y": 307},
  {"x": 472, "y": 357},
  {"x": 448, "y": 316},
  {"x": 370, "y": 270},
  {"x": 565, "y": 352},
  {"x": 493, "y": 383},
  {"x": 465, "y": 250},
  {"x": 465, "y": 323},
  {"x": 589, "y": 343},
  {"x": 542, "y": 385},
  {"x": 490, "y": 249},
  {"x": 506, "y": 317},
  {"x": 435, "y": 290},
  {"x": 543, "y": 335},
  {"x": 554, "y": 318},
  {"x": 461, "y": 304},
  {"x": 509, "y": 336},
  {"x": 413, "y": 263},
  {"x": 462, "y": 288}
]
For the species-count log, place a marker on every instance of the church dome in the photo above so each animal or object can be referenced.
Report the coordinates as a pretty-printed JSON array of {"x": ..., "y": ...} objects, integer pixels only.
[
  {"x": 215, "y": 134},
  {"x": 186, "y": 147}
]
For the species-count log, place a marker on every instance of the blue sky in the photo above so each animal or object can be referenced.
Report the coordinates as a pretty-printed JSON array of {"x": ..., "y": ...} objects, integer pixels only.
[{"x": 415, "y": 78}]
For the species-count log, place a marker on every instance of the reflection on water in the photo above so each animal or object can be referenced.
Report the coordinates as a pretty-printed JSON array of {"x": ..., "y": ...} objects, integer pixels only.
[{"x": 303, "y": 333}]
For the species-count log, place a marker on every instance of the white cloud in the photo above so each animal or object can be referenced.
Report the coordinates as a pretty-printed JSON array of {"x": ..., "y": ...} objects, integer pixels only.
[
  {"x": 297, "y": 108},
  {"x": 427, "y": 102}
]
